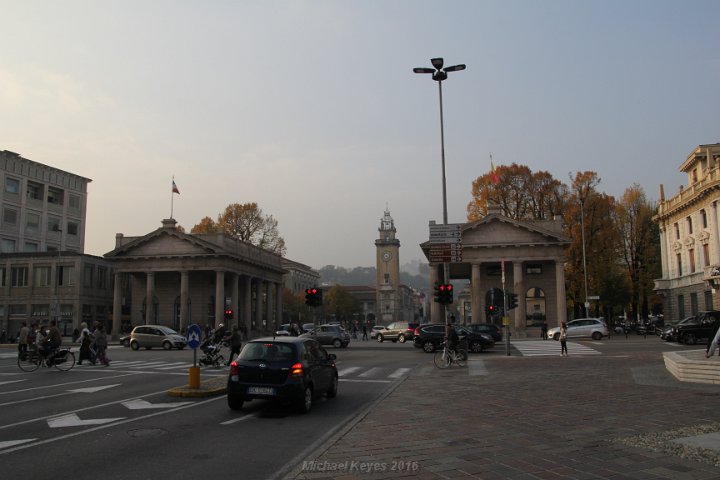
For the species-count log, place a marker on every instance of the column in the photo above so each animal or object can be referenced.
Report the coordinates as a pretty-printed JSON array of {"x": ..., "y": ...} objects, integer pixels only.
[
  {"x": 476, "y": 296},
  {"x": 234, "y": 295},
  {"x": 219, "y": 297},
  {"x": 519, "y": 290},
  {"x": 715, "y": 236},
  {"x": 259, "y": 284},
  {"x": 436, "y": 310},
  {"x": 278, "y": 303},
  {"x": 184, "y": 298},
  {"x": 269, "y": 305},
  {"x": 247, "y": 304},
  {"x": 117, "y": 305},
  {"x": 561, "y": 301},
  {"x": 149, "y": 297}
]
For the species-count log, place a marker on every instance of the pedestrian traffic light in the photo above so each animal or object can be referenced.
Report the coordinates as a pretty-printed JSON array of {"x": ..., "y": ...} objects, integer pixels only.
[
  {"x": 512, "y": 300},
  {"x": 446, "y": 294},
  {"x": 436, "y": 293}
]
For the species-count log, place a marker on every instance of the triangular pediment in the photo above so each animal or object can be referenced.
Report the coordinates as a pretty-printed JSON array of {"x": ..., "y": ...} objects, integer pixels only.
[
  {"x": 164, "y": 242},
  {"x": 500, "y": 230}
]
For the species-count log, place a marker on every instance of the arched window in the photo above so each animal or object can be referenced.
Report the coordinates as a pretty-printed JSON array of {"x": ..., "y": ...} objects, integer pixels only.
[{"x": 535, "y": 307}]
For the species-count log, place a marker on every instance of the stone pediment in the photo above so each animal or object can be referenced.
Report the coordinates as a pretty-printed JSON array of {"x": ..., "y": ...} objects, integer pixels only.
[
  {"x": 164, "y": 243},
  {"x": 499, "y": 230}
]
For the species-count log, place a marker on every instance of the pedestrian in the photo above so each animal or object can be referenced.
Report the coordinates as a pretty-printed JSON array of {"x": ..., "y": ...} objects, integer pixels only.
[
  {"x": 3, "y": 337},
  {"x": 544, "y": 330},
  {"x": 75, "y": 335},
  {"x": 235, "y": 342},
  {"x": 101, "y": 345},
  {"x": 563, "y": 339},
  {"x": 712, "y": 345},
  {"x": 451, "y": 336},
  {"x": 23, "y": 340},
  {"x": 364, "y": 337},
  {"x": 86, "y": 350}
]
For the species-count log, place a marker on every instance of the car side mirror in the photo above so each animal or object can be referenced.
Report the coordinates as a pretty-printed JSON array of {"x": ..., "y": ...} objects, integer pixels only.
[{"x": 331, "y": 356}]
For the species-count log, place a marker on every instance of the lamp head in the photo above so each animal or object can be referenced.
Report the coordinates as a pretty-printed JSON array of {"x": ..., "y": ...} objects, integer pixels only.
[{"x": 437, "y": 63}]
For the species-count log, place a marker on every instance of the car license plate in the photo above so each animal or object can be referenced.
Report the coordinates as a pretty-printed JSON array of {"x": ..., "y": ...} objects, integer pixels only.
[{"x": 261, "y": 390}]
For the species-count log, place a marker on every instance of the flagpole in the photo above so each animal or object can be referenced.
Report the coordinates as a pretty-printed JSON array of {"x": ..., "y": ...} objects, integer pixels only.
[{"x": 172, "y": 197}]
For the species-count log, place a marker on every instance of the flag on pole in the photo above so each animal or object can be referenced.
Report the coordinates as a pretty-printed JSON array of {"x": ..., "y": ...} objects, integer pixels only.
[
  {"x": 493, "y": 174},
  {"x": 174, "y": 188}
]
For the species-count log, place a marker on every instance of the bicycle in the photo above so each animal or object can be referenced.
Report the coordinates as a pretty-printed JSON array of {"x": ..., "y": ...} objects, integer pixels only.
[
  {"x": 62, "y": 359},
  {"x": 446, "y": 357}
]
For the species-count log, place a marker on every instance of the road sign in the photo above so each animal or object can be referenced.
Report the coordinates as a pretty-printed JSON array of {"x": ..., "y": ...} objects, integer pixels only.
[
  {"x": 593, "y": 297},
  {"x": 446, "y": 233},
  {"x": 446, "y": 252},
  {"x": 193, "y": 336}
]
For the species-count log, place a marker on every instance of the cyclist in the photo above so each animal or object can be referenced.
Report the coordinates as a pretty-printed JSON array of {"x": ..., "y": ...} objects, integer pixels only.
[
  {"x": 451, "y": 337},
  {"x": 53, "y": 340}
]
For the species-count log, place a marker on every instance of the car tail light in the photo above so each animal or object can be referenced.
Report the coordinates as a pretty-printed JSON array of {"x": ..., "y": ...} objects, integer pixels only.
[
  {"x": 296, "y": 370},
  {"x": 417, "y": 331}
]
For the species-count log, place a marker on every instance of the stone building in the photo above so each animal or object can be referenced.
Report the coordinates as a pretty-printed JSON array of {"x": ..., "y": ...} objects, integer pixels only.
[
  {"x": 299, "y": 277},
  {"x": 177, "y": 279},
  {"x": 689, "y": 225},
  {"x": 528, "y": 255}
]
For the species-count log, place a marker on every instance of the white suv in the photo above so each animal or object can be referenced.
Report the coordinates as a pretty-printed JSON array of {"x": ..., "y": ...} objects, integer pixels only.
[{"x": 582, "y": 327}]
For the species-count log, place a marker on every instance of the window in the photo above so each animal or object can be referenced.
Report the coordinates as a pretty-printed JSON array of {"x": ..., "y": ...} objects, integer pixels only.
[
  {"x": 32, "y": 221},
  {"x": 2, "y": 277},
  {"x": 706, "y": 255},
  {"x": 17, "y": 309},
  {"x": 65, "y": 275},
  {"x": 677, "y": 231},
  {"x": 72, "y": 228},
  {"x": 55, "y": 196},
  {"x": 31, "y": 247},
  {"x": 40, "y": 310},
  {"x": 74, "y": 202},
  {"x": 681, "y": 306},
  {"x": 703, "y": 217},
  {"x": 102, "y": 278},
  {"x": 689, "y": 225},
  {"x": 708, "y": 300},
  {"x": 7, "y": 245},
  {"x": 34, "y": 191},
  {"x": 693, "y": 303},
  {"x": 9, "y": 216},
  {"x": 88, "y": 276},
  {"x": 534, "y": 269},
  {"x": 53, "y": 224},
  {"x": 691, "y": 260},
  {"x": 12, "y": 185},
  {"x": 19, "y": 276},
  {"x": 679, "y": 264},
  {"x": 41, "y": 276}
]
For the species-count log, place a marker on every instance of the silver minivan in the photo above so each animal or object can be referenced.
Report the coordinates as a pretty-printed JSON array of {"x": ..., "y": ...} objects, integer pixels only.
[
  {"x": 149, "y": 336},
  {"x": 582, "y": 327}
]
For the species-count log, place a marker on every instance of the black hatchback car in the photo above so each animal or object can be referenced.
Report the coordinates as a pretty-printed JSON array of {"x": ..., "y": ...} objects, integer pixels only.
[
  {"x": 489, "y": 328},
  {"x": 291, "y": 370},
  {"x": 430, "y": 336}
]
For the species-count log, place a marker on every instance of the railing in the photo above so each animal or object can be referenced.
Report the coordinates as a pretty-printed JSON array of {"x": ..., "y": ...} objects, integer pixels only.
[{"x": 711, "y": 179}]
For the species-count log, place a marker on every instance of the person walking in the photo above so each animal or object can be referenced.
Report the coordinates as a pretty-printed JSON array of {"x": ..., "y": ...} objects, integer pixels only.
[
  {"x": 364, "y": 337},
  {"x": 235, "y": 342},
  {"x": 23, "y": 340},
  {"x": 86, "y": 351},
  {"x": 544, "y": 330},
  {"x": 712, "y": 345},
  {"x": 563, "y": 339},
  {"x": 101, "y": 345}
]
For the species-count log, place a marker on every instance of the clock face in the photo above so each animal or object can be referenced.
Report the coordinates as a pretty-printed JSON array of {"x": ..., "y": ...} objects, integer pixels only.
[{"x": 386, "y": 256}]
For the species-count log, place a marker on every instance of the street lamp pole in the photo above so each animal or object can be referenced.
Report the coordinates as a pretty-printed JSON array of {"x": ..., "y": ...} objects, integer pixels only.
[{"x": 582, "y": 227}]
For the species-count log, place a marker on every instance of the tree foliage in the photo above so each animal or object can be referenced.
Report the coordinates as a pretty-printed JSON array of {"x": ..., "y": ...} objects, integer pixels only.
[
  {"x": 246, "y": 222},
  {"x": 338, "y": 302}
]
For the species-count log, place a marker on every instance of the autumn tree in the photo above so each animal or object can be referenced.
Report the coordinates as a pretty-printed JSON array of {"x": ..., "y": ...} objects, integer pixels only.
[
  {"x": 246, "y": 222},
  {"x": 338, "y": 302},
  {"x": 294, "y": 308}
]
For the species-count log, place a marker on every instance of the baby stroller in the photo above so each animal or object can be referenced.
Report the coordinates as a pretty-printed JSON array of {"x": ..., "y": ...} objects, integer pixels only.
[{"x": 211, "y": 354}]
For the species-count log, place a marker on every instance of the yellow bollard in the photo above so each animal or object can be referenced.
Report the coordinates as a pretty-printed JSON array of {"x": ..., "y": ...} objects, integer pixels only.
[{"x": 194, "y": 378}]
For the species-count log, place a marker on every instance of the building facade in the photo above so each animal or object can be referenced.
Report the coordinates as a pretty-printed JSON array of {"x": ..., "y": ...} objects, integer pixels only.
[
  {"x": 43, "y": 208},
  {"x": 519, "y": 256},
  {"x": 689, "y": 225},
  {"x": 299, "y": 277}
]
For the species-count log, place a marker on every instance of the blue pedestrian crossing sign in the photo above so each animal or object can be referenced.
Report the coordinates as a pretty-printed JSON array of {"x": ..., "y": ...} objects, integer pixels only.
[{"x": 193, "y": 336}]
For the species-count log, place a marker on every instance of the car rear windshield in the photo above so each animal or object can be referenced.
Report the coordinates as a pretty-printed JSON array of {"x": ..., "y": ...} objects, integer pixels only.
[{"x": 268, "y": 351}]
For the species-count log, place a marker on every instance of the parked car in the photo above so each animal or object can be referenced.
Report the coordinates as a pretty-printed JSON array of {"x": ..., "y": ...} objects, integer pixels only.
[
  {"x": 397, "y": 332},
  {"x": 582, "y": 327},
  {"x": 284, "y": 330},
  {"x": 329, "y": 335},
  {"x": 377, "y": 329},
  {"x": 669, "y": 332},
  {"x": 125, "y": 340},
  {"x": 701, "y": 328},
  {"x": 490, "y": 328},
  {"x": 430, "y": 336},
  {"x": 291, "y": 370},
  {"x": 149, "y": 336},
  {"x": 306, "y": 327}
]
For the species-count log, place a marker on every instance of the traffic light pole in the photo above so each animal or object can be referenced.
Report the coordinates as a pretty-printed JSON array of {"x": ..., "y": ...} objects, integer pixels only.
[{"x": 506, "y": 318}]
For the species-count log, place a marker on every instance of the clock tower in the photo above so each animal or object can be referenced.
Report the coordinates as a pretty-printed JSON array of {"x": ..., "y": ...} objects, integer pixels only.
[{"x": 388, "y": 272}]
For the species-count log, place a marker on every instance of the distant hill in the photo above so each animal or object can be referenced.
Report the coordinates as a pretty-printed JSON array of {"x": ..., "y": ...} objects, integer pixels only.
[{"x": 415, "y": 274}]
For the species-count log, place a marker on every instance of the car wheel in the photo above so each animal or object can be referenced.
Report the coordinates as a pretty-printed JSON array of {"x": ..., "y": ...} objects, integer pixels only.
[
  {"x": 234, "y": 402},
  {"x": 337, "y": 343},
  {"x": 126, "y": 343},
  {"x": 597, "y": 336},
  {"x": 428, "y": 347},
  {"x": 332, "y": 393},
  {"x": 380, "y": 338},
  {"x": 556, "y": 337},
  {"x": 689, "y": 339},
  {"x": 135, "y": 345},
  {"x": 167, "y": 345},
  {"x": 401, "y": 338},
  {"x": 476, "y": 346},
  {"x": 305, "y": 403}
]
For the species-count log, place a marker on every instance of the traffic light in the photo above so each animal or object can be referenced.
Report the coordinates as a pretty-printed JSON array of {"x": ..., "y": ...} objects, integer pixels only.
[
  {"x": 512, "y": 300},
  {"x": 228, "y": 314},
  {"x": 446, "y": 294},
  {"x": 313, "y": 297},
  {"x": 318, "y": 297},
  {"x": 436, "y": 293}
]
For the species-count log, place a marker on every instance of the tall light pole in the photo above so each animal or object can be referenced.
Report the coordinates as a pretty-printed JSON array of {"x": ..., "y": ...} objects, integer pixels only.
[
  {"x": 439, "y": 74},
  {"x": 582, "y": 227}
]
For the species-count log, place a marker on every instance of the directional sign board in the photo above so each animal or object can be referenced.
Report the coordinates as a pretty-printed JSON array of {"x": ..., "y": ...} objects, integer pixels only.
[
  {"x": 193, "y": 336},
  {"x": 446, "y": 252},
  {"x": 446, "y": 233}
]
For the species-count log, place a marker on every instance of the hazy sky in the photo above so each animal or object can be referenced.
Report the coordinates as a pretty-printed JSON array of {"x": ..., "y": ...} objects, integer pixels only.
[{"x": 312, "y": 110}]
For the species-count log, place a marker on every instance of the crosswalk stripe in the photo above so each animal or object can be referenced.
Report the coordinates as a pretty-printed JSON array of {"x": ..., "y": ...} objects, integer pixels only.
[
  {"x": 347, "y": 370},
  {"x": 369, "y": 373},
  {"x": 546, "y": 348},
  {"x": 399, "y": 373}
]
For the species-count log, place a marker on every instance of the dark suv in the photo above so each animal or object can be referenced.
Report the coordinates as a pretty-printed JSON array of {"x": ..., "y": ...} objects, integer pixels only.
[
  {"x": 430, "y": 336},
  {"x": 285, "y": 369},
  {"x": 702, "y": 328}
]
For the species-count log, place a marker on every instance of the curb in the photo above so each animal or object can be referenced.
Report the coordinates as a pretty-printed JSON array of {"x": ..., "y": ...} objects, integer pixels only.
[{"x": 213, "y": 386}]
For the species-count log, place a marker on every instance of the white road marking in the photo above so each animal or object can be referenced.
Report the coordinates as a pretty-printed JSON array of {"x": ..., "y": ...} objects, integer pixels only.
[
  {"x": 73, "y": 420},
  {"x": 140, "y": 404}
]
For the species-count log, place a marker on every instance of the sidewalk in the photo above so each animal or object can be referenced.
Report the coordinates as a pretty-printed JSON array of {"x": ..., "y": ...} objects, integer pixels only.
[{"x": 518, "y": 418}]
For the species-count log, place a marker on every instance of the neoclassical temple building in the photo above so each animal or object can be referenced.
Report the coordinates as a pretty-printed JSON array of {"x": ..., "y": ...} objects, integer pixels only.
[
  {"x": 528, "y": 255},
  {"x": 177, "y": 279}
]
